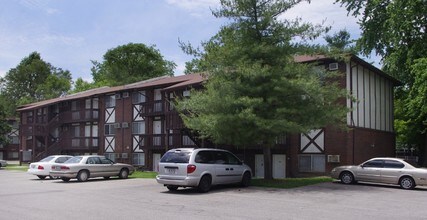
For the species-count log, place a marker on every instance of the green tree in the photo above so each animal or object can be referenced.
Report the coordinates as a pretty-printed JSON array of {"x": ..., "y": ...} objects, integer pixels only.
[
  {"x": 130, "y": 63},
  {"x": 340, "y": 42},
  {"x": 33, "y": 80},
  {"x": 255, "y": 92},
  {"x": 5, "y": 128},
  {"x": 396, "y": 30},
  {"x": 80, "y": 85}
]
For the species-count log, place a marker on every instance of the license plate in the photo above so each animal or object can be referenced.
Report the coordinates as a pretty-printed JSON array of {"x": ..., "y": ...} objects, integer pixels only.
[
  {"x": 171, "y": 171},
  {"x": 32, "y": 166}
]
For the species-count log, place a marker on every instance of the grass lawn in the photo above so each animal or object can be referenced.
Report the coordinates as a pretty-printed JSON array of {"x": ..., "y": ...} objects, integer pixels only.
[
  {"x": 143, "y": 174},
  {"x": 290, "y": 182},
  {"x": 24, "y": 167}
]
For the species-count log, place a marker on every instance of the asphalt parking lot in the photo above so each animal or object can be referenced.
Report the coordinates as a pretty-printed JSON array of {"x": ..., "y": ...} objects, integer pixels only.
[{"x": 23, "y": 196}]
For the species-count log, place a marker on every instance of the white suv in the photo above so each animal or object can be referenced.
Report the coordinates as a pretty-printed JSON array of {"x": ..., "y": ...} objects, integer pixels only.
[{"x": 201, "y": 168}]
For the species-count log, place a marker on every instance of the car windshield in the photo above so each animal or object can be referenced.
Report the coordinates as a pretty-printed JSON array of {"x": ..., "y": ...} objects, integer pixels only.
[
  {"x": 74, "y": 160},
  {"x": 176, "y": 157},
  {"x": 47, "y": 159}
]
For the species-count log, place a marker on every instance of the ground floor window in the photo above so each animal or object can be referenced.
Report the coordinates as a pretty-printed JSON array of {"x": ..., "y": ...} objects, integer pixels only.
[
  {"x": 138, "y": 159},
  {"x": 311, "y": 163},
  {"x": 13, "y": 155},
  {"x": 111, "y": 156}
]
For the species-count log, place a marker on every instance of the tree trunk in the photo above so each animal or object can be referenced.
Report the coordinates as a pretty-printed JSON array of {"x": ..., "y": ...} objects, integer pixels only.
[{"x": 268, "y": 174}]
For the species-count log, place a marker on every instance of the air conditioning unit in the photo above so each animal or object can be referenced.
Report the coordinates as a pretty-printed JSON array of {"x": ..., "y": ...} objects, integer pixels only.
[
  {"x": 333, "y": 158},
  {"x": 117, "y": 96},
  {"x": 125, "y": 125},
  {"x": 124, "y": 155},
  {"x": 116, "y": 125},
  {"x": 125, "y": 95},
  {"x": 333, "y": 66}
]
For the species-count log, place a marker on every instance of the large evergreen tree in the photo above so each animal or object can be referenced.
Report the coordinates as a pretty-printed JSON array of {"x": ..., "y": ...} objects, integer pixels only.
[{"x": 255, "y": 92}]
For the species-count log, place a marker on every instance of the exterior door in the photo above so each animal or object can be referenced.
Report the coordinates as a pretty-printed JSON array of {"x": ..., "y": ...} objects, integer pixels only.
[
  {"x": 279, "y": 166},
  {"x": 259, "y": 165},
  {"x": 156, "y": 161}
]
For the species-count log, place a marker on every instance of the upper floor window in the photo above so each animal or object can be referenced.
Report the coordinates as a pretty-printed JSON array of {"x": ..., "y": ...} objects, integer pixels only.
[
  {"x": 110, "y": 101},
  {"x": 157, "y": 95},
  {"x": 109, "y": 129},
  {"x": 138, "y": 97},
  {"x": 73, "y": 105}
]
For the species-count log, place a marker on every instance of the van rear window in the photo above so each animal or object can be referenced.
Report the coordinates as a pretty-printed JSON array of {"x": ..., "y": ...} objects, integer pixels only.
[{"x": 176, "y": 157}]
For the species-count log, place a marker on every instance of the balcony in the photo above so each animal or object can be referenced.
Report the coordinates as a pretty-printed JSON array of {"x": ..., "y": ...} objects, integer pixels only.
[{"x": 152, "y": 108}]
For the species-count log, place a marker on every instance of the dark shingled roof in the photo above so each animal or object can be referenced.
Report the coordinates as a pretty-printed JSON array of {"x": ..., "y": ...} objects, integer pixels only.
[{"x": 164, "y": 81}]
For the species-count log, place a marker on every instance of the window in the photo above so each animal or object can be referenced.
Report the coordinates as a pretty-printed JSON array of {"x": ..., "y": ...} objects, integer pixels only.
[
  {"x": 88, "y": 104},
  {"x": 106, "y": 161},
  {"x": 111, "y": 156},
  {"x": 138, "y": 97},
  {"x": 393, "y": 164},
  {"x": 74, "y": 105},
  {"x": 61, "y": 159},
  {"x": 109, "y": 129},
  {"x": 93, "y": 160},
  {"x": 95, "y": 103},
  {"x": 311, "y": 163},
  {"x": 204, "y": 157},
  {"x": 176, "y": 157},
  {"x": 138, "y": 127},
  {"x": 110, "y": 101},
  {"x": 138, "y": 158},
  {"x": 13, "y": 155},
  {"x": 76, "y": 131},
  {"x": 374, "y": 163}
]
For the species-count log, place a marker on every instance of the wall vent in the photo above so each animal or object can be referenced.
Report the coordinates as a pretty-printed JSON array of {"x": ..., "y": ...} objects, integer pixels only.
[
  {"x": 333, "y": 66},
  {"x": 333, "y": 158}
]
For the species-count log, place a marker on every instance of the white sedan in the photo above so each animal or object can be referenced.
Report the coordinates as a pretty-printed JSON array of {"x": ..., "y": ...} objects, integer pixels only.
[
  {"x": 42, "y": 168},
  {"x": 3, "y": 163},
  {"x": 84, "y": 167}
]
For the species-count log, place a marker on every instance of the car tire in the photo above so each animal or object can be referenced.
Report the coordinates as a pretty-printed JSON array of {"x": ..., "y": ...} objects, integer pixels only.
[
  {"x": 205, "y": 184},
  {"x": 407, "y": 182},
  {"x": 41, "y": 177},
  {"x": 347, "y": 177},
  {"x": 246, "y": 179},
  {"x": 124, "y": 173},
  {"x": 65, "y": 179},
  {"x": 83, "y": 175},
  {"x": 172, "y": 188}
]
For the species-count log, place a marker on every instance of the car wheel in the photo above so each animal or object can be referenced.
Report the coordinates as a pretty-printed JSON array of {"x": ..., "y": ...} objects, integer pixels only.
[
  {"x": 65, "y": 179},
  {"x": 41, "y": 177},
  {"x": 347, "y": 178},
  {"x": 124, "y": 173},
  {"x": 246, "y": 179},
  {"x": 83, "y": 176},
  {"x": 407, "y": 182},
  {"x": 205, "y": 184},
  {"x": 172, "y": 188}
]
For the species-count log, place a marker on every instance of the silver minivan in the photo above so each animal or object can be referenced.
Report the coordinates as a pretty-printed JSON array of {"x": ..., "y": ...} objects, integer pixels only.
[{"x": 201, "y": 168}]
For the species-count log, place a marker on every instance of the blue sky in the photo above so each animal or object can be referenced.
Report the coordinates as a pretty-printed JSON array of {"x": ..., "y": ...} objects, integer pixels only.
[{"x": 70, "y": 33}]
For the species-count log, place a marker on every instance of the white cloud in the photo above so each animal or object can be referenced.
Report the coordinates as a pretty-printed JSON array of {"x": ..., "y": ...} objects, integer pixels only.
[
  {"x": 196, "y": 8},
  {"x": 39, "y": 5}
]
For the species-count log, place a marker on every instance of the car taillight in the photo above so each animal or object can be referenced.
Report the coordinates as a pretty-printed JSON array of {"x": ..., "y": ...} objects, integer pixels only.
[
  {"x": 40, "y": 167},
  {"x": 191, "y": 168},
  {"x": 64, "y": 168}
]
